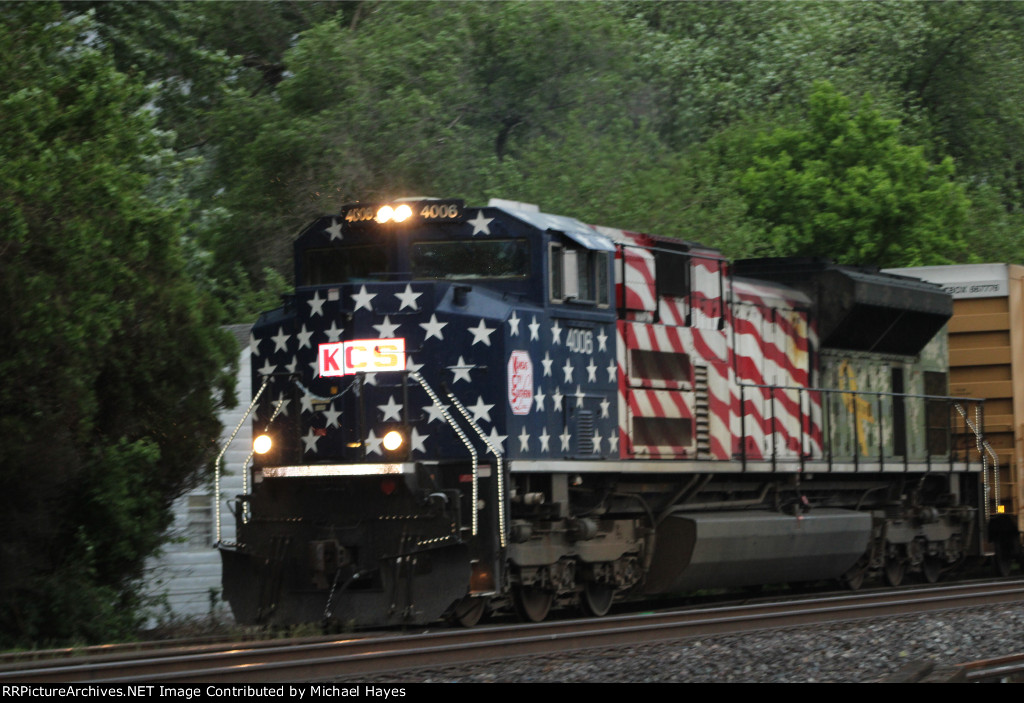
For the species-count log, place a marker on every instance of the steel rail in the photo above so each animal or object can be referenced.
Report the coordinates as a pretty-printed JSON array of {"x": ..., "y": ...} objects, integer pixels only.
[
  {"x": 1005, "y": 669},
  {"x": 372, "y": 656},
  {"x": 995, "y": 669}
]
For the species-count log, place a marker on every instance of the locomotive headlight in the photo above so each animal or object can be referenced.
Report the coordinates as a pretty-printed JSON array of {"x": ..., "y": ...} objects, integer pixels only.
[
  {"x": 386, "y": 213},
  {"x": 402, "y": 213},
  {"x": 393, "y": 440},
  {"x": 262, "y": 444}
]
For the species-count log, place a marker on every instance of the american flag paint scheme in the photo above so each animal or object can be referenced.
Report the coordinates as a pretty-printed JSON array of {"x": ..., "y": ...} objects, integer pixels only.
[{"x": 472, "y": 409}]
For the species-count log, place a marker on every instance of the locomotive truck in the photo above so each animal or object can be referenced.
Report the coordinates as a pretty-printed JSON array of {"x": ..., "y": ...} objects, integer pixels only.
[{"x": 465, "y": 409}]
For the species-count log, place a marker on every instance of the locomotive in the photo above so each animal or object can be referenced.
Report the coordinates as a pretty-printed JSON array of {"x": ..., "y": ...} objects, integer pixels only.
[{"x": 465, "y": 409}]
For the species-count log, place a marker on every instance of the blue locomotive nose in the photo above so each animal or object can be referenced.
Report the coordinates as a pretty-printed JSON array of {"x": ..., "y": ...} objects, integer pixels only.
[{"x": 350, "y": 366}]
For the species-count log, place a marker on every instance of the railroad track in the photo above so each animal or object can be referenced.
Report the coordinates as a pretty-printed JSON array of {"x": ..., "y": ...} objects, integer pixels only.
[
  {"x": 340, "y": 658},
  {"x": 1008, "y": 669}
]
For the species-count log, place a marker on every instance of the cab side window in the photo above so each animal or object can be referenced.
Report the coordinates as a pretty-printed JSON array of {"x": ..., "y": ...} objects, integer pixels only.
[
  {"x": 579, "y": 275},
  {"x": 672, "y": 273}
]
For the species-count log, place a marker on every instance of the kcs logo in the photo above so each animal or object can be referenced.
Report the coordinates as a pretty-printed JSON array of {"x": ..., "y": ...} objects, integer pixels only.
[{"x": 361, "y": 356}]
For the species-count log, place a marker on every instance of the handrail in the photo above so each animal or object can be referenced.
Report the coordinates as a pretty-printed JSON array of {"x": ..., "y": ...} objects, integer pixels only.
[
  {"x": 499, "y": 466},
  {"x": 986, "y": 452},
  {"x": 966, "y": 399},
  {"x": 415, "y": 375},
  {"x": 825, "y": 433},
  {"x": 224, "y": 449}
]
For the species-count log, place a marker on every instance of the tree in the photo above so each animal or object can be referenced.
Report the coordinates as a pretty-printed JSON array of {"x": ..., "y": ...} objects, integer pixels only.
[
  {"x": 948, "y": 71},
  {"x": 841, "y": 184},
  {"x": 416, "y": 98},
  {"x": 188, "y": 52},
  {"x": 295, "y": 107},
  {"x": 110, "y": 355}
]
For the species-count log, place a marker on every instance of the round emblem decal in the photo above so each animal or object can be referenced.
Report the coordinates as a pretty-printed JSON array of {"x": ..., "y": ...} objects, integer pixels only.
[{"x": 520, "y": 382}]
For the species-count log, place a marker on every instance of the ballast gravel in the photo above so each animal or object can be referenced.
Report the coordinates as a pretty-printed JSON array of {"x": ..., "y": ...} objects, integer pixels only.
[{"x": 848, "y": 652}]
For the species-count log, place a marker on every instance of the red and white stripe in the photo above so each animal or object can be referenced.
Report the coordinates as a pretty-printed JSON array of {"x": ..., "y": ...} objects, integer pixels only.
[
  {"x": 634, "y": 272},
  {"x": 706, "y": 298},
  {"x": 764, "y": 341},
  {"x": 771, "y": 333}
]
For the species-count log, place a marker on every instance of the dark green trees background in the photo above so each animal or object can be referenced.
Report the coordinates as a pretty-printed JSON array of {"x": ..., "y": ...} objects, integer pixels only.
[
  {"x": 111, "y": 353},
  {"x": 158, "y": 159}
]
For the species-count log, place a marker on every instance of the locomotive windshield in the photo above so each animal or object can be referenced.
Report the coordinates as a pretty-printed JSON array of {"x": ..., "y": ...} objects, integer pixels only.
[{"x": 493, "y": 258}]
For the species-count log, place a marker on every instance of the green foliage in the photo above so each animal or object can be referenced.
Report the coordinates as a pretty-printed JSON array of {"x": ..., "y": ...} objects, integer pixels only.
[
  {"x": 842, "y": 185},
  {"x": 159, "y": 158},
  {"x": 416, "y": 99},
  {"x": 678, "y": 195},
  {"x": 713, "y": 63},
  {"x": 244, "y": 298},
  {"x": 110, "y": 356},
  {"x": 947, "y": 71},
  {"x": 994, "y": 232},
  {"x": 632, "y": 114},
  {"x": 188, "y": 51}
]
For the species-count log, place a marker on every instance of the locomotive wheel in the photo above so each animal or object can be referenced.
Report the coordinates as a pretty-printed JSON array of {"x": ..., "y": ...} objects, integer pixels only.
[
  {"x": 854, "y": 578},
  {"x": 894, "y": 571},
  {"x": 469, "y": 611},
  {"x": 1002, "y": 560},
  {"x": 931, "y": 569},
  {"x": 532, "y": 604},
  {"x": 596, "y": 598}
]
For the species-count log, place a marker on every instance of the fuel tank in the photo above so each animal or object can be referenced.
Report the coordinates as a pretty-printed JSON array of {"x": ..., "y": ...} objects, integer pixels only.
[{"x": 743, "y": 548}]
